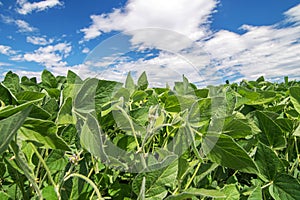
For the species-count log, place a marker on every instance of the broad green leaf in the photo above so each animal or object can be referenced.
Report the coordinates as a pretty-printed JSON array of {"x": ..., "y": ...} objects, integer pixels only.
[
  {"x": 105, "y": 91},
  {"x": 84, "y": 101},
  {"x": 193, "y": 192},
  {"x": 285, "y": 187},
  {"x": 10, "y": 126},
  {"x": 65, "y": 113},
  {"x": 10, "y": 110},
  {"x": 272, "y": 135},
  {"x": 237, "y": 128},
  {"x": 49, "y": 193},
  {"x": 22, "y": 164},
  {"x": 223, "y": 150},
  {"x": 5, "y": 96},
  {"x": 26, "y": 96},
  {"x": 156, "y": 181},
  {"x": 48, "y": 79},
  {"x": 90, "y": 137},
  {"x": 256, "y": 98},
  {"x": 72, "y": 78},
  {"x": 256, "y": 194},
  {"x": 268, "y": 162},
  {"x": 129, "y": 83},
  {"x": 43, "y": 132},
  {"x": 295, "y": 97},
  {"x": 12, "y": 82},
  {"x": 39, "y": 113},
  {"x": 231, "y": 192},
  {"x": 57, "y": 161},
  {"x": 178, "y": 103},
  {"x": 142, "y": 82}
]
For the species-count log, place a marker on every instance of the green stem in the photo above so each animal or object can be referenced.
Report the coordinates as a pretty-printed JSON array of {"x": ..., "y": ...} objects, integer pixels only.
[
  {"x": 192, "y": 178},
  {"x": 87, "y": 180},
  {"x": 267, "y": 185},
  {"x": 47, "y": 170},
  {"x": 131, "y": 126}
]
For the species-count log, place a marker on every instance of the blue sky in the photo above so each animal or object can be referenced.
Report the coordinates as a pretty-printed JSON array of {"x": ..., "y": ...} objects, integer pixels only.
[{"x": 207, "y": 40}]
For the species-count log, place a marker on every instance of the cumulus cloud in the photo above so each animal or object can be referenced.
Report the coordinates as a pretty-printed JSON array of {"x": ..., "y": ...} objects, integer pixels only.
[
  {"x": 182, "y": 16},
  {"x": 6, "y": 50},
  {"x": 50, "y": 56},
  {"x": 85, "y": 50},
  {"x": 272, "y": 51},
  {"x": 22, "y": 25},
  {"x": 25, "y": 7},
  {"x": 39, "y": 40}
]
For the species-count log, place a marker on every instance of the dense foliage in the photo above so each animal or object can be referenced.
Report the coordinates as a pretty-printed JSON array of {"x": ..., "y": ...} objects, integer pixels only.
[{"x": 233, "y": 141}]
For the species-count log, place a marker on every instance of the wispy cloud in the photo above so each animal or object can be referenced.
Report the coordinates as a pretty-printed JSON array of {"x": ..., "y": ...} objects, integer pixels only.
[
  {"x": 273, "y": 50},
  {"x": 22, "y": 25},
  {"x": 50, "y": 56},
  {"x": 26, "y": 7},
  {"x": 3, "y": 64},
  {"x": 39, "y": 40},
  {"x": 6, "y": 50}
]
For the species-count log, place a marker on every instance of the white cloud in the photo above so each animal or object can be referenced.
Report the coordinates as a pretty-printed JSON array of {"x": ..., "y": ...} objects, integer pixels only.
[
  {"x": 85, "y": 50},
  {"x": 39, "y": 40},
  {"x": 2, "y": 64},
  {"x": 49, "y": 56},
  {"x": 6, "y": 50},
  {"x": 26, "y": 7},
  {"x": 272, "y": 51},
  {"x": 182, "y": 16},
  {"x": 1, "y": 4},
  {"x": 22, "y": 25},
  {"x": 293, "y": 14}
]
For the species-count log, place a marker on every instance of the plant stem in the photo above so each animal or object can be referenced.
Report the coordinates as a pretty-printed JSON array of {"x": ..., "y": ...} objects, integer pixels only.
[
  {"x": 87, "y": 180},
  {"x": 267, "y": 185},
  {"x": 47, "y": 170},
  {"x": 192, "y": 178}
]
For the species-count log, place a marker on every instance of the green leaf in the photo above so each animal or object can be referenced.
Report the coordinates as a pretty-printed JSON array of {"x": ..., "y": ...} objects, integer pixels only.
[
  {"x": 225, "y": 151},
  {"x": 156, "y": 181},
  {"x": 268, "y": 162},
  {"x": 295, "y": 97},
  {"x": 256, "y": 98},
  {"x": 10, "y": 110},
  {"x": 43, "y": 132},
  {"x": 29, "y": 96},
  {"x": 49, "y": 80},
  {"x": 142, "y": 81},
  {"x": 65, "y": 113},
  {"x": 12, "y": 82},
  {"x": 129, "y": 84},
  {"x": 10, "y": 126},
  {"x": 237, "y": 128},
  {"x": 272, "y": 135},
  {"x": 5, "y": 96},
  {"x": 193, "y": 192},
  {"x": 231, "y": 192},
  {"x": 256, "y": 194},
  {"x": 285, "y": 187},
  {"x": 49, "y": 193}
]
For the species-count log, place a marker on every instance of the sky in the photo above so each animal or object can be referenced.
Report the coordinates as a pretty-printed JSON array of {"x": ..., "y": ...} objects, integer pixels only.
[{"x": 208, "y": 41}]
